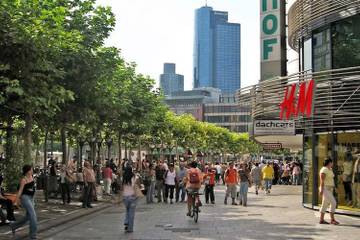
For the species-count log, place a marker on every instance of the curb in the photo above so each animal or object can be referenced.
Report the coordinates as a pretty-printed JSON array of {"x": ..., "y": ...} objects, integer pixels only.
[{"x": 42, "y": 227}]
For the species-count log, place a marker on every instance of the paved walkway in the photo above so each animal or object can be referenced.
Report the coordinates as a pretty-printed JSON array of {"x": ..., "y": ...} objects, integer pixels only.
[
  {"x": 54, "y": 213},
  {"x": 277, "y": 216}
]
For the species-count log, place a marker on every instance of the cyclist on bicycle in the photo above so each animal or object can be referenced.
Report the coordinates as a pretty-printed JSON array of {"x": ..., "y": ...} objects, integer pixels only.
[{"x": 193, "y": 182}]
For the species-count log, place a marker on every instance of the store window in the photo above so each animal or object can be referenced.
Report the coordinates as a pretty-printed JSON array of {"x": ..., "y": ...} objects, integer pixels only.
[
  {"x": 321, "y": 50},
  {"x": 322, "y": 152},
  {"x": 348, "y": 171},
  {"x": 346, "y": 42},
  {"x": 308, "y": 174}
]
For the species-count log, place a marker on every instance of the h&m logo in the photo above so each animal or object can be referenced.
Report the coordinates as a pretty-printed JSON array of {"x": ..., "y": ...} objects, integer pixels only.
[{"x": 289, "y": 107}]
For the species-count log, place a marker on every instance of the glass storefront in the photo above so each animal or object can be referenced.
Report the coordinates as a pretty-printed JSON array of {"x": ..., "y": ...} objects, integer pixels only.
[
  {"x": 334, "y": 46},
  {"x": 348, "y": 177},
  {"x": 308, "y": 173},
  {"x": 344, "y": 149}
]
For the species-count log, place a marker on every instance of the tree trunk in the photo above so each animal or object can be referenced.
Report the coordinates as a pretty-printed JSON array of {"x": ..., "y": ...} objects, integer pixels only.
[
  {"x": 45, "y": 148},
  {"x": 139, "y": 155},
  {"x": 109, "y": 152},
  {"x": 37, "y": 155},
  {"x": 93, "y": 153},
  {"x": 63, "y": 145},
  {"x": 11, "y": 166},
  {"x": 177, "y": 152},
  {"x": 27, "y": 139},
  {"x": 126, "y": 152},
  {"x": 162, "y": 151},
  {"x": 52, "y": 145},
  {"x": 68, "y": 152},
  {"x": 81, "y": 145},
  {"x": 98, "y": 159},
  {"x": 120, "y": 148}
]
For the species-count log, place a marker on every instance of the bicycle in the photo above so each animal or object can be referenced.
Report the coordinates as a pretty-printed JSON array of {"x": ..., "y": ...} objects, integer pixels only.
[{"x": 195, "y": 206}]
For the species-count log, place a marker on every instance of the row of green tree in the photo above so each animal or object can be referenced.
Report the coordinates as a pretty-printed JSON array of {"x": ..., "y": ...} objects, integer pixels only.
[
  {"x": 201, "y": 138},
  {"x": 57, "y": 78}
]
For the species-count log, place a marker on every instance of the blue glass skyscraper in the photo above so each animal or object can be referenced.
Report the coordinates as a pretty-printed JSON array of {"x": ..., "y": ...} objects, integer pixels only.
[{"x": 216, "y": 51}]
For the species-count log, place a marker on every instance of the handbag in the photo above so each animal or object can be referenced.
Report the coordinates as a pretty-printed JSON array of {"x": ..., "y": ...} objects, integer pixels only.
[{"x": 137, "y": 189}]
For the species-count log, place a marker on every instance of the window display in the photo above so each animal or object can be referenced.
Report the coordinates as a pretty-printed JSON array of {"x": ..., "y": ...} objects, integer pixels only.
[{"x": 348, "y": 158}]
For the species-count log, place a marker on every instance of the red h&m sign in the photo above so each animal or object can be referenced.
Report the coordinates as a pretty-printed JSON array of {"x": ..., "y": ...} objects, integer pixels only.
[{"x": 289, "y": 107}]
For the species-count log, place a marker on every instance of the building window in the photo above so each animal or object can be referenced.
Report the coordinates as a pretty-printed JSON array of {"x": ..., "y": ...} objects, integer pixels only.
[
  {"x": 321, "y": 50},
  {"x": 307, "y": 55},
  {"x": 346, "y": 42}
]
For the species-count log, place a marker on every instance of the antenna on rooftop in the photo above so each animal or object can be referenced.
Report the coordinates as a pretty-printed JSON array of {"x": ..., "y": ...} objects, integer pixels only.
[{"x": 206, "y": 3}]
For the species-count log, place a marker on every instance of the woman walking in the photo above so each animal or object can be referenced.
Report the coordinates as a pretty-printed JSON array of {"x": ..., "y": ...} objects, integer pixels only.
[
  {"x": 170, "y": 182},
  {"x": 150, "y": 183},
  {"x": 26, "y": 196},
  {"x": 130, "y": 195},
  {"x": 244, "y": 176},
  {"x": 327, "y": 185}
]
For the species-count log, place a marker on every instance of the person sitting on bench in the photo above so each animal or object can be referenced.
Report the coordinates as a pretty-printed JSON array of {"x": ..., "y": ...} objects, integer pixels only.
[{"x": 8, "y": 204}]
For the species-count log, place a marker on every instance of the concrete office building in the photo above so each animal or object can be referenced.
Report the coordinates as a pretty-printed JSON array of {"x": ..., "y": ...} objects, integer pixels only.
[{"x": 192, "y": 101}]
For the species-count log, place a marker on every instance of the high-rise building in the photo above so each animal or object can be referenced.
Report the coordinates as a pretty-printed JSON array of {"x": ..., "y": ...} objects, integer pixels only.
[
  {"x": 216, "y": 51},
  {"x": 170, "y": 81}
]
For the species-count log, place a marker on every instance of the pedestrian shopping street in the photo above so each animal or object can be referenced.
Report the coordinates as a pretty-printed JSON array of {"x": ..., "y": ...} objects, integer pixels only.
[{"x": 279, "y": 215}]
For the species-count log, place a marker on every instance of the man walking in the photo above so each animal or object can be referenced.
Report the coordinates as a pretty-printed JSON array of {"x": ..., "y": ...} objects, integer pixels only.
[
  {"x": 209, "y": 181},
  {"x": 268, "y": 175},
  {"x": 231, "y": 180},
  {"x": 107, "y": 176},
  {"x": 89, "y": 184},
  {"x": 256, "y": 177},
  {"x": 180, "y": 186},
  {"x": 160, "y": 181}
]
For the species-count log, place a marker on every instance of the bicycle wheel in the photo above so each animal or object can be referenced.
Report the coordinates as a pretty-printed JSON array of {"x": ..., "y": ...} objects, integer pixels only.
[{"x": 196, "y": 214}]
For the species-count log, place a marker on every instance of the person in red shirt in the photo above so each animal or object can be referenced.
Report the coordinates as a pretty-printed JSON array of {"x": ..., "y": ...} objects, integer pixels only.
[
  {"x": 231, "y": 180},
  {"x": 209, "y": 181},
  {"x": 107, "y": 176},
  {"x": 193, "y": 181}
]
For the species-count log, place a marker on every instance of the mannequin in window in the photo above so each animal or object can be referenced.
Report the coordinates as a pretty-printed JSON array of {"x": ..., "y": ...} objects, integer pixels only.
[
  {"x": 347, "y": 176},
  {"x": 356, "y": 182}
]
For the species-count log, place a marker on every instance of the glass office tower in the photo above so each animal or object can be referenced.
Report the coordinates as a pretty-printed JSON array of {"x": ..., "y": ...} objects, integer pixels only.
[
  {"x": 216, "y": 51},
  {"x": 170, "y": 81}
]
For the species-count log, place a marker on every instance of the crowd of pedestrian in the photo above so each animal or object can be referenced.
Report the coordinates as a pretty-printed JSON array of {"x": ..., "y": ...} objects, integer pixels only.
[{"x": 165, "y": 182}]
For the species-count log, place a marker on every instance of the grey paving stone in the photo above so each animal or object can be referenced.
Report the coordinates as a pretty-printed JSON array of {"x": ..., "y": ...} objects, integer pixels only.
[{"x": 278, "y": 216}]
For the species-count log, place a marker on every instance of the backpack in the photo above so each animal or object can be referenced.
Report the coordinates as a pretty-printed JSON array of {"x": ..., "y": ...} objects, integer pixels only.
[
  {"x": 165, "y": 174},
  {"x": 194, "y": 177}
]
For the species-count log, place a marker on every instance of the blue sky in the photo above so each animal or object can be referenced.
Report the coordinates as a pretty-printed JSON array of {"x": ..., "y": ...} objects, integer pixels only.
[{"x": 151, "y": 32}]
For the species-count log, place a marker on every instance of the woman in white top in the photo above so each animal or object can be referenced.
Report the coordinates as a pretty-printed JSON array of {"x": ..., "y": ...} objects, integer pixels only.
[
  {"x": 129, "y": 198},
  {"x": 327, "y": 185},
  {"x": 170, "y": 176}
]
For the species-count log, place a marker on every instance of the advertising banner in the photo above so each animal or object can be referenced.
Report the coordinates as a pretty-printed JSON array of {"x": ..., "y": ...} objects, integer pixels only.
[{"x": 273, "y": 127}]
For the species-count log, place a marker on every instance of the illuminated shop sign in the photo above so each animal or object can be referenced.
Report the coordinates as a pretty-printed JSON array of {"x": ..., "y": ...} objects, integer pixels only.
[
  {"x": 274, "y": 127},
  {"x": 295, "y": 104}
]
